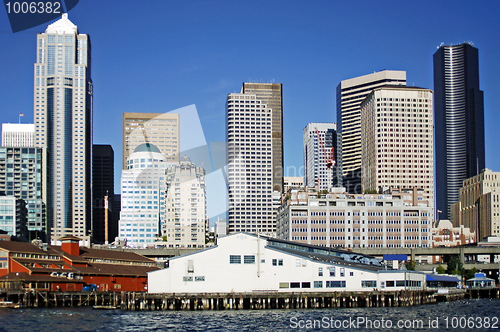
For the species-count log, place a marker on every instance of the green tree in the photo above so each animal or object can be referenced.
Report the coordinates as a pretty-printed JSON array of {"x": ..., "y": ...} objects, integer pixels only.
[
  {"x": 370, "y": 191},
  {"x": 469, "y": 274},
  {"x": 410, "y": 265},
  {"x": 440, "y": 269},
  {"x": 455, "y": 266}
]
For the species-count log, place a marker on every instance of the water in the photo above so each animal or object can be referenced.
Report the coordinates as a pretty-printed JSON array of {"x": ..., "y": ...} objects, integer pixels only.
[{"x": 472, "y": 312}]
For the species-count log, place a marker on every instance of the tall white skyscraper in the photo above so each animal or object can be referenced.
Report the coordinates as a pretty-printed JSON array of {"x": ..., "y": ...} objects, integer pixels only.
[
  {"x": 320, "y": 170},
  {"x": 398, "y": 141},
  {"x": 250, "y": 166},
  {"x": 142, "y": 196},
  {"x": 350, "y": 94},
  {"x": 63, "y": 125},
  {"x": 18, "y": 134}
]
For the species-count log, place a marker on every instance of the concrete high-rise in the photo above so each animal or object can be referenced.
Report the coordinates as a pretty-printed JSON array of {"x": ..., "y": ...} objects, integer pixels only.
[
  {"x": 18, "y": 134},
  {"x": 250, "y": 165},
  {"x": 350, "y": 94},
  {"x": 63, "y": 94},
  {"x": 105, "y": 229},
  {"x": 320, "y": 142},
  {"x": 160, "y": 129},
  {"x": 459, "y": 118},
  {"x": 185, "y": 205},
  {"x": 397, "y": 147},
  {"x": 478, "y": 207},
  {"x": 271, "y": 95}
]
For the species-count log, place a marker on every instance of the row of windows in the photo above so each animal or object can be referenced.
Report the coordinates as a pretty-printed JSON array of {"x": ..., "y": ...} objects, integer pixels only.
[{"x": 236, "y": 259}]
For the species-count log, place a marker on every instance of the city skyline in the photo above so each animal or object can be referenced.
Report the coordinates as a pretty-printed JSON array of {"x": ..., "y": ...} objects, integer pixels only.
[{"x": 195, "y": 74}]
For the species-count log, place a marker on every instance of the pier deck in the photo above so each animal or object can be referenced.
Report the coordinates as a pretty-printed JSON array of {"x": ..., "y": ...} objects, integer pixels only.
[{"x": 241, "y": 301}]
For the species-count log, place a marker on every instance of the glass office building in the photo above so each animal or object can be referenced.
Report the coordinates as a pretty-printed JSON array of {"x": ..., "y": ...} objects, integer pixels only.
[
  {"x": 459, "y": 121},
  {"x": 22, "y": 176}
]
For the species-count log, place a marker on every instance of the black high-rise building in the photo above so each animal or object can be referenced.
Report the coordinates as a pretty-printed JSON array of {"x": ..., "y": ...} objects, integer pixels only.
[
  {"x": 103, "y": 185},
  {"x": 459, "y": 121}
]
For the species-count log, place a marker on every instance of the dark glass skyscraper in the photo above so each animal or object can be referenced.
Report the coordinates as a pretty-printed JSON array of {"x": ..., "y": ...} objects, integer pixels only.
[
  {"x": 459, "y": 121},
  {"x": 103, "y": 185}
]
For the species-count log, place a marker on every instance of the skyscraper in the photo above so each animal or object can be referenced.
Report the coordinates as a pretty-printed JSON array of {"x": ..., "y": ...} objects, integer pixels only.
[
  {"x": 63, "y": 96},
  {"x": 271, "y": 95},
  {"x": 185, "y": 205},
  {"x": 250, "y": 165},
  {"x": 397, "y": 142},
  {"x": 350, "y": 94},
  {"x": 18, "y": 134},
  {"x": 459, "y": 118},
  {"x": 160, "y": 129},
  {"x": 320, "y": 170},
  {"x": 142, "y": 194},
  {"x": 102, "y": 186}
]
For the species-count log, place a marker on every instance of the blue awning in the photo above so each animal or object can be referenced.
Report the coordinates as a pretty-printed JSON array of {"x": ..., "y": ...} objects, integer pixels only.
[
  {"x": 395, "y": 257},
  {"x": 436, "y": 277}
]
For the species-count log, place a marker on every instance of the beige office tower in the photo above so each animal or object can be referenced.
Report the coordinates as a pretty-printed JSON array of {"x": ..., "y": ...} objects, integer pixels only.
[
  {"x": 350, "y": 94},
  {"x": 63, "y": 98},
  {"x": 397, "y": 142},
  {"x": 271, "y": 95},
  {"x": 160, "y": 129},
  {"x": 477, "y": 207}
]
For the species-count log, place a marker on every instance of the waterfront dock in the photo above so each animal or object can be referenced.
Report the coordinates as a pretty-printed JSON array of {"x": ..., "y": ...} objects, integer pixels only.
[{"x": 242, "y": 301}]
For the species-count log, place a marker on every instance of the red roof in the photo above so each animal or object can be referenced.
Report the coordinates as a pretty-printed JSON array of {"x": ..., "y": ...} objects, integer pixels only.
[{"x": 23, "y": 276}]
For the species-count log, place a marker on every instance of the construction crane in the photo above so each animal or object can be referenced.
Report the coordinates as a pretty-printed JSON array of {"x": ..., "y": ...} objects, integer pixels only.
[{"x": 329, "y": 158}]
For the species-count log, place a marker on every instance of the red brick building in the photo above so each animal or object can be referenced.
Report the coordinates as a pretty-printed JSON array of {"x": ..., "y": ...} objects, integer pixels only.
[{"x": 70, "y": 267}]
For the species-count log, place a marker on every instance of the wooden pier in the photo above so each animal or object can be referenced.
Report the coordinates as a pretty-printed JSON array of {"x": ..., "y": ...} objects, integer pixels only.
[{"x": 241, "y": 301}]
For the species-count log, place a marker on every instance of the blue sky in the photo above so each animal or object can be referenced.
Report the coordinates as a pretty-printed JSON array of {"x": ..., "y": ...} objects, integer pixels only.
[{"x": 157, "y": 56}]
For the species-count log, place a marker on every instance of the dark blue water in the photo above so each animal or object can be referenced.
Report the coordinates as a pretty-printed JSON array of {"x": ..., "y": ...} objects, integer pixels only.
[{"x": 472, "y": 315}]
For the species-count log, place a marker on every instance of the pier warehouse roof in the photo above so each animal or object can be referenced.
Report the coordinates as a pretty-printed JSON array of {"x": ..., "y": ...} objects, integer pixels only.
[
  {"x": 71, "y": 267},
  {"x": 243, "y": 262}
]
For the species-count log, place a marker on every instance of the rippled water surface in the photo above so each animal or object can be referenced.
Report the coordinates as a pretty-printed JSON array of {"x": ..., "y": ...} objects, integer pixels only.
[{"x": 472, "y": 315}]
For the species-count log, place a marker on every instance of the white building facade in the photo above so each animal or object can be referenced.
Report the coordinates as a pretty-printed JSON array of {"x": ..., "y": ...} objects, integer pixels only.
[
  {"x": 355, "y": 221},
  {"x": 18, "y": 135},
  {"x": 250, "y": 167},
  {"x": 63, "y": 98},
  {"x": 244, "y": 262},
  {"x": 320, "y": 168},
  {"x": 293, "y": 182},
  {"x": 142, "y": 199},
  {"x": 185, "y": 205}
]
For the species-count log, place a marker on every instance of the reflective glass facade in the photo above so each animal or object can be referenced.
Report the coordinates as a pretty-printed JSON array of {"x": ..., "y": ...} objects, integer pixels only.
[
  {"x": 459, "y": 122},
  {"x": 21, "y": 176}
]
